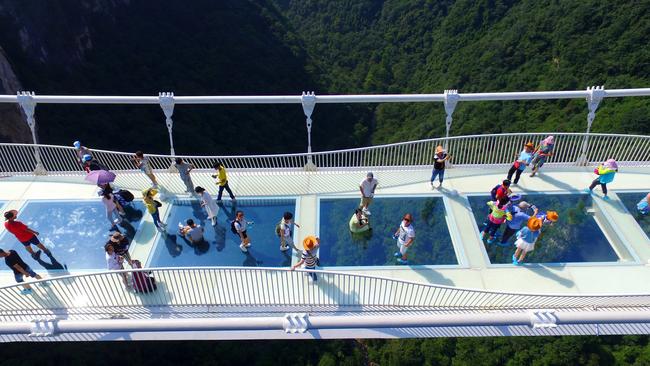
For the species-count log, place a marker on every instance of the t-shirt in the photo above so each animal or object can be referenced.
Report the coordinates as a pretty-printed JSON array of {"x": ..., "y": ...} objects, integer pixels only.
[
  {"x": 309, "y": 258},
  {"x": 14, "y": 258},
  {"x": 405, "y": 232},
  {"x": 367, "y": 187},
  {"x": 222, "y": 178},
  {"x": 240, "y": 226},
  {"x": 525, "y": 157},
  {"x": 113, "y": 261},
  {"x": 518, "y": 219},
  {"x": 19, "y": 230},
  {"x": 144, "y": 164},
  {"x": 437, "y": 165},
  {"x": 195, "y": 233},
  {"x": 285, "y": 229},
  {"x": 527, "y": 235},
  {"x": 183, "y": 169},
  {"x": 83, "y": 151}
]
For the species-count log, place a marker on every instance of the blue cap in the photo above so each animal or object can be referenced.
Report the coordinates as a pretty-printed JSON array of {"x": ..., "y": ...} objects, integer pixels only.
[
  {"x": 76, "y": 144},
  {"x": 87, "y": 158}
]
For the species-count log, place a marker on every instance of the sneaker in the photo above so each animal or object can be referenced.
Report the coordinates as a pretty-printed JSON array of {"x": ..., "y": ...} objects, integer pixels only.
[
  {"x": 284, "y": 248},
  {"x": 514, "y": 260},
  {"x": 180, "y": 225},
  {"x": 587, "y": 190},
  {"x": 26, "y": 291},
  {"x": 606, "y": 198},
  {"x": 397, "y": 255},
  {"x": 36, "y": 255},
  {"x": 402, "y": 261},
  {"x": 243, "y": 248},
  {"x": 248, "y": 245},
  {"x": 491, "y": 240}
]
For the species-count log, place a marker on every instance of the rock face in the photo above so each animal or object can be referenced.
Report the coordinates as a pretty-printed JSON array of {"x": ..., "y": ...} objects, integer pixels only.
[{"x": 13, "y": 127}]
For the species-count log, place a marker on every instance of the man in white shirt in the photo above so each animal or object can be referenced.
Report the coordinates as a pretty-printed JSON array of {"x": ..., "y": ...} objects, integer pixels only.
[
  {"x": 367, "y": 189},
  {"x": 192, "y": 231}
]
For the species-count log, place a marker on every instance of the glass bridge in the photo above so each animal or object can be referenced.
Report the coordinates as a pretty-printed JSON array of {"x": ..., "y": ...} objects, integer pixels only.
[{"x": 589, "y": 272}]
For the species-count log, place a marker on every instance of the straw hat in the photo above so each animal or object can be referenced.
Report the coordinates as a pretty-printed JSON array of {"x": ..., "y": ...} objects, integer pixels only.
[
  {"x": 552, "y": 215},
  {"x": 530, "y": 144},
  {"x": 534, "y": 224},
  {"x": 309, "y": 242}
]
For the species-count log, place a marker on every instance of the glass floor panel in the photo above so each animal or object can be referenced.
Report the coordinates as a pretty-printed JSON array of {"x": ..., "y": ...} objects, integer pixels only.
[
  {"x": 339, "y": 247},
  {"x": 221, "y": 247},
  {"x": 575, "y": 237},
  {"x": 630, "y": 201},
  {"x": 75, "y": 231}
]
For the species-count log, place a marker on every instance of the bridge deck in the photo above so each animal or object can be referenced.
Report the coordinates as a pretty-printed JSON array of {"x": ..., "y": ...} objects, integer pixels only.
[{"x": 631, "y": 274}]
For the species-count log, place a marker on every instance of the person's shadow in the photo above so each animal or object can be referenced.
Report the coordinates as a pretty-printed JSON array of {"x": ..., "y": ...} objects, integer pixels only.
[
  {"x": 231, "y": 211},
  {"x": 220, "y": 237},
  {"x": 129, "y": 230},
  {"x": 250, "y": 261},
  {"x": 54, "y": 265},
  {"x": 172, "y": 247},
  {"x": 132, "y": 214},
  {"x": 200, "y": 247}
]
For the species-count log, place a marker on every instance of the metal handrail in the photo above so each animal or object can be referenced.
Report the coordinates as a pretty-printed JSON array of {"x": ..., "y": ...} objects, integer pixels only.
[
  {"x": 272, "y": 287},
  {"x": 468, "y": 151}
]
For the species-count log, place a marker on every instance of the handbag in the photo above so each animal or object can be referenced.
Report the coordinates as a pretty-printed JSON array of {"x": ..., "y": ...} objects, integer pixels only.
[
  {"x": 158, "y": 204},
  {"x": 516, "y": 164}
]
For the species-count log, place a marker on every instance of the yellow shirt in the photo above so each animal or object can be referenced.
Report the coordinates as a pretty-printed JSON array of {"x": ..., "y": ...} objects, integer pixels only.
[
  {"x": 222, "y": 179},
  {"x": 148, "y": 199}
]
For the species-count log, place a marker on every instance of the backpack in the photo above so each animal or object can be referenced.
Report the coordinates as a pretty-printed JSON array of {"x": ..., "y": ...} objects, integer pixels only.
[
  {"x": 233, "y": 228},
  {"x": 126, "y": 195},
  {"x": 493, "y": 192},
  {"x": 278, "y": 229}
]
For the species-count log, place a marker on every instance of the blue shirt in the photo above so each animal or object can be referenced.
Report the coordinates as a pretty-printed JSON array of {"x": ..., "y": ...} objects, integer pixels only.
[
  {"x": 527, "y": 235},
  {"x": 518, "y": 219},
  {"x": 525, "y": 157}
]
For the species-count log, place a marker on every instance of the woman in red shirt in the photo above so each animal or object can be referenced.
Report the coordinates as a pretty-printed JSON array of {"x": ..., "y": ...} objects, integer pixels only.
[{"x": 25, "y": 235}]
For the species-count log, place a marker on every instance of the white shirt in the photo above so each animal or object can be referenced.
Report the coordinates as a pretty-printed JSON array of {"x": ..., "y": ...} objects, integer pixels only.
[
  {"x": 195, "y": 233},
  {"x": 240, "y": 225},
  {"x": 405, "y": 232},
  {"x": 285, "y": 229},
  {"x": 367, "y": 187},
  {"x": 113, "y": 261}
]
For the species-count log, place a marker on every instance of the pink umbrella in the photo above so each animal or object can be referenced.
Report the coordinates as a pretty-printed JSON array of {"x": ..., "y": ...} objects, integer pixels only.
[{"x": 100, "y": 177}]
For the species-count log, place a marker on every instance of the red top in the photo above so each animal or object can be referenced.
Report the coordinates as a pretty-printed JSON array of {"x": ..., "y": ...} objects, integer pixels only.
[
  {"x": 19, "y": 230},
  {"x": 502, "y": 192}
]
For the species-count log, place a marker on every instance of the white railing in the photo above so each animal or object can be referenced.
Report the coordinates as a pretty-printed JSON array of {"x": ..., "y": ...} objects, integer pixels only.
[
  {"x": 276, "y": 287},
  {"x": 466, "y": 151}
]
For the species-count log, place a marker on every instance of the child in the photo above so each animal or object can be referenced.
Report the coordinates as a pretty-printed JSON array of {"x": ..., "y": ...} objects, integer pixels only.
[
  {"x": 283, "y": 230},
  {"x": 208, "y": 203},
  {"x": 498, "y": 214},
  {"x": 526, "y": 239},
  {"x": 543, "y": 152},
  {"x": 238, "y": 227},
  {"x": 309, "y": 259},
  {"x": 606, "y": 173}
]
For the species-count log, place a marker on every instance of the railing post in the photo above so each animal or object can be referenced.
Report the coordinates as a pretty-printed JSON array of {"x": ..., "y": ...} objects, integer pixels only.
[
  {"x": 308, "y": 104},
  {"x": 596, "y": 95},
  {"x": 166, "y": 100},
  {"x": 28, "y": 105}
]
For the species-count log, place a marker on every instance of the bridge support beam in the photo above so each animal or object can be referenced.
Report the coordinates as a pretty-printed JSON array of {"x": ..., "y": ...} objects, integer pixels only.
[
  {"x": 28, "y": 105},
  {"x": 166, "y": 101},
  {"x": 596, "y": 95},
  {"x": 451, "y": 99},
  {"x": 308, "y": 101}
]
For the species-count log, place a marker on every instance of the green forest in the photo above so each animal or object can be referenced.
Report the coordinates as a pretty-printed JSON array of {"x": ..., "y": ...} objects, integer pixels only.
[{"x": 276, "y": 47}]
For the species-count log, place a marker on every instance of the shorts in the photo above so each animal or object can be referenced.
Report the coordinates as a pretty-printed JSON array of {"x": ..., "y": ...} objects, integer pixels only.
[
  {"x": 146, "y": 169},
  {"x": 402, "y": 248},
  {"x": 245, "y": 236},
  {"x": 32, "y": 241},
  {"x": 19, "y": 276},
  {"x": 365, "y": 201}
]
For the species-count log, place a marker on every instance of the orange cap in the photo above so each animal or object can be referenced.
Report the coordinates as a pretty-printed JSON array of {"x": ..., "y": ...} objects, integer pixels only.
[
  {"x": 552, "y": 215},
  {"x": 534, "y": 224},
  {"x": 309, "y": 242}
]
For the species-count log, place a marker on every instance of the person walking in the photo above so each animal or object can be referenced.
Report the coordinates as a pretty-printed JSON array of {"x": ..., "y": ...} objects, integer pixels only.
[
  {"x": 238, "y": 227},
  {"x": 152, "y": 207},
  {"x": 113, "y": 210},
  {"x": 498, "y": 214},
  {"x": 518, "y": 219},
  {"x": 606, "y": 173},
  {"x": 526, "y": 239},
  {"x": 114, "y": 262},
  {"x": 142, "y": 162},
  {"x": 367, "y": 188},
  {"x": 309, "y": 259},
  {"x": 523, "y": 160},
  {"x": 544, "y": 150},
  {"x": 120, "y": 244},
  {"x": 26, "y": 236},
  {"x": 20, "y": 269},
  {"x": 81, "y": 151},
  {"x": 184, "y": 170},
  {"x": 222, "y": 180},
  {"x": 285, "y": 232},
  {"x": 208, "y": 204},
  {"x": 405, "y": 236},
  {"x": 439, "y": 160}
]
